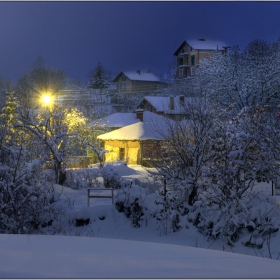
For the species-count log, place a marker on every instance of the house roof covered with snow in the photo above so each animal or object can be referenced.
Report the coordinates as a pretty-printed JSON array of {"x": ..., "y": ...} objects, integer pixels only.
[
  {"x": 204, "y": 44},
  {"x": 153, "y": 127},
  {"x": 162, "y": 103},
  {"x": 138, "y": 76},
  {"x": 139, "y": 131},
  {"x": 124, "y": 119},
  {"x": 117, "y": 120}
]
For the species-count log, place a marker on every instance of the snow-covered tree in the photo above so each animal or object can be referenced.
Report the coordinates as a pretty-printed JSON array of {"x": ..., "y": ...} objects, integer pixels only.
[
  {"x": 9, "y": 110},
  {"x": 38, "y": 81},
  {"x": 242, "y": 154},
  {"x": 50, "y": 134},
  {"x": 185, "y": 151},
  {"x": 26, "y": 198},
  {"x": 5, "y": 86},
  {"x": 242, "y": 79},
  {"x": 76, "y": 123},
  {"x": 99, "y": 78}
]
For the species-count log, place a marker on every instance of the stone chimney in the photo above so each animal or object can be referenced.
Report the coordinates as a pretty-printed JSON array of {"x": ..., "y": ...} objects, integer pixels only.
[
  {"x": 139, "y": 114},
  {"x": 171, "y": 102}
]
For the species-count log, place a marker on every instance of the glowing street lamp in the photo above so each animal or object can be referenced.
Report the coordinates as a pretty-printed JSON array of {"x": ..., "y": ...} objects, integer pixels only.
[{"x": 47, "y": 100}]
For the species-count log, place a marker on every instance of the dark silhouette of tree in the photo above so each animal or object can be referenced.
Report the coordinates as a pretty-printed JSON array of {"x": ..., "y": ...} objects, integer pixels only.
[
  {"x": 39, "y": 80},
  {"x": 99, "y": 78}
]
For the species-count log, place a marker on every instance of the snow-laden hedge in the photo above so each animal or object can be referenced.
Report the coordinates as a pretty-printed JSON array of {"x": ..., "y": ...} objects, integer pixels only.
[
  {"x": 137, "y": 203},
  {"x": 78, "y": 178},
  {"x": 254, "y": 215}
]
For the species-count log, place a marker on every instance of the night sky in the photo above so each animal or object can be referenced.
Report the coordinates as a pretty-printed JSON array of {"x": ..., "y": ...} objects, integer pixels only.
[{"x": 123, "y": 36}]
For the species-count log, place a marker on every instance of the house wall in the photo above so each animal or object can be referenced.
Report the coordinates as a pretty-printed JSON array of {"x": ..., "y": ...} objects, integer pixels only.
[
  {"x": 137, "y": 152},
  {"x": 136, "y": 86},
  {"x": 132, "y": 151},
  {"x": 184, "y": 61}
]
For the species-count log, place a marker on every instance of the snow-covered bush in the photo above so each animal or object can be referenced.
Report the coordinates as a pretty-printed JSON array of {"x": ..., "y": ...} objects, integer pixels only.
[
  {"x": 93, "y": 177},
  {"x": 263, "y": 220},
  {"x": 26, "y": 198},
  {"x": 110, "y": 176},
  {"x": 140, "y": 206},
  {"x": 230, "y": 219},
  {"x": 82, "y": 178},
  {"x": 130, "y": 200}
]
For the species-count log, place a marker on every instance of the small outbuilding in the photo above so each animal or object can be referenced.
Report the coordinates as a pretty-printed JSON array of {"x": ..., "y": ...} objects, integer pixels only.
[{"x": 136, "y": 143}]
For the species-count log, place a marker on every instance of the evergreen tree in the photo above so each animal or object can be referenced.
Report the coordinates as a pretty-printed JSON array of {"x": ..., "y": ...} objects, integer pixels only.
[
  {"x": 98, "y": 78},
  {"x": 5, "y": 86},
  {"x": 9, "y": 111}
]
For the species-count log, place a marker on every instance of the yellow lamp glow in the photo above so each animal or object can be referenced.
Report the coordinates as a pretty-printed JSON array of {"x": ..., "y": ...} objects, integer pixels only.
[{"x": 47, "y": 100}]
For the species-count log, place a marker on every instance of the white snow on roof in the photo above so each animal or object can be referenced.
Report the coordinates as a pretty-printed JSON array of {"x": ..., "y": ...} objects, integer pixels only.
[
  {"x": 137, "y": 131},
  {"x": 207, "y": 44},
  {"x": 134, "y": 76},
  {"x": 162, "y": 104},
  {"x": 118, "y": 120},
  {"x": 124, "y": 119},
  {"x": 151, "y": 130}
]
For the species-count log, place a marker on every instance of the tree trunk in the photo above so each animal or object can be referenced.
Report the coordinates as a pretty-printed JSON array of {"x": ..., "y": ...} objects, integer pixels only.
[
  {"x": 192, "y": 196},
  {"x": 60, "y": 175}
]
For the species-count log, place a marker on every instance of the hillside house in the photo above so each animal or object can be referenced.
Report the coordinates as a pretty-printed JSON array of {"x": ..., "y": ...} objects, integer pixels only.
[
  {"x": 191, "y": 52},
  {"x": 136, "y": 143},
  {"x": 137, "y": 82},
  {"x": 173, "y": 107}
]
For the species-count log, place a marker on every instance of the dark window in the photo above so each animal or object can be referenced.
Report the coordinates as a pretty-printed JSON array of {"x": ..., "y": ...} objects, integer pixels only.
[
  {"x": 123, "y": 78},
  {"x": 181, "y": 61},
  {"x": 122, "y": 86},
  {"x": 193, "y": 59}
]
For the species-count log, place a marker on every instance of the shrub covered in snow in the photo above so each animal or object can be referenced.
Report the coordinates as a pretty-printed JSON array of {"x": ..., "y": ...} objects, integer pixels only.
[
  {"x": 82, "y": 178},
  {"x": 26, "y": 199},
  {"x": 141, "y": 206},
  {"x": 93, "y": 177},
  {"x": 130, "y": 200},
  {"x": 110, "y": 176}
]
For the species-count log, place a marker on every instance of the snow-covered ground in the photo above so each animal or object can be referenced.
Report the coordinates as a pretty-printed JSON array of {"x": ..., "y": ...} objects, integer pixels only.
[
  {"x": 110, "y": 247},
  {"x": 34, "y": 256}
]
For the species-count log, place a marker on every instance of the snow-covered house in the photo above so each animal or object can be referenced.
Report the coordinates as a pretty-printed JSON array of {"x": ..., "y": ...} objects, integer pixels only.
[
  {"x": 138, "y": 142},
  {"x": 173, "y": 107},
  {"x": 137, "y": 82},
  {"x": 191, "y": 52}
]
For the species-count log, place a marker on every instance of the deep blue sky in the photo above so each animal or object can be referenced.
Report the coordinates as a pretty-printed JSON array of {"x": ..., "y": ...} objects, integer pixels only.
[{"x": 74, "y": 36}]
